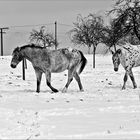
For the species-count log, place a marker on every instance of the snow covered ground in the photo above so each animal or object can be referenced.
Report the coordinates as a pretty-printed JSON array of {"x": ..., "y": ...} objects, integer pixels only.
[{"x": 103, "y": 110}]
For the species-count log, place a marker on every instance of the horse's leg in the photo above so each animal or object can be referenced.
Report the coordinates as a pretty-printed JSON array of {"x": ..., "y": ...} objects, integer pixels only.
[
  {"x": 125, "y": 80},
  {"x": 70, "y": 78},
  {"x": 38, "y": 76},
  {"x": 132, "y": 79},
  {"x": 76, "y": 76},
  {"x": 48, "y": 81}
]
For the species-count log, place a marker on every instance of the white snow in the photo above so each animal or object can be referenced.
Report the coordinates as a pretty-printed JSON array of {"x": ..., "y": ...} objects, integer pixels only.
[{"x": 103, "y": 110}]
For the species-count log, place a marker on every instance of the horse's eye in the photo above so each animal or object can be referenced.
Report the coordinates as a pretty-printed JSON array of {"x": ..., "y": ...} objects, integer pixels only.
[
  {"x": 113, "y": 60},
  {"x": 16, "y": 55}
]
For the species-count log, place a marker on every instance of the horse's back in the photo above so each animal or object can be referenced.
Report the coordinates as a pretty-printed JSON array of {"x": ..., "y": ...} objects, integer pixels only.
[
  {"x": 59, "y": 62},
  {"x": 56, "y": 60},
  {"x": 64, "y": 58},
  {"x": 131, "y": 56}
]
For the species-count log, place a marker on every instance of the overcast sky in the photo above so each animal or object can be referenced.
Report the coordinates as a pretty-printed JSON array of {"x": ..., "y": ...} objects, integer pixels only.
[
  {"x": 24, "y": 12},
  {"x": 34, "y": 12}
]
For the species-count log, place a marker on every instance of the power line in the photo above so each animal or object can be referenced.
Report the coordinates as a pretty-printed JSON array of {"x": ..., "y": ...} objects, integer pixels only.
[
  {"x": 43, "y": 24},
  {"x": 65, "y": 24},
  {"x": 31, "y": 25}
]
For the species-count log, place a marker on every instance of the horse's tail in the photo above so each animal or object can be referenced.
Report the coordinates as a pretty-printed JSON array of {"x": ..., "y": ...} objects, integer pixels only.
[{"x": 83, "y": 62}]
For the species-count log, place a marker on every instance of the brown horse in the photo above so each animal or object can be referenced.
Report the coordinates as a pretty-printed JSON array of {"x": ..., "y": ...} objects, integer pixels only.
[{"x": 47, "y": 61}]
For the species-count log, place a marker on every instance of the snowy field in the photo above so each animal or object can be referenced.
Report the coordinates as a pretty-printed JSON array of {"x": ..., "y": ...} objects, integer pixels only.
[{"x": 103, "y": 110}]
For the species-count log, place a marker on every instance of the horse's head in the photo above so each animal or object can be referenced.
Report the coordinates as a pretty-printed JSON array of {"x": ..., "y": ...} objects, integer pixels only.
[
  {"x": 116, "y": 59},
  {"x": 16, "y": 57}
]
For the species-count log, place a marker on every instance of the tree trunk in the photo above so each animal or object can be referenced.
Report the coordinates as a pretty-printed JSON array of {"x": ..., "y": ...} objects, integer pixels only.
[
  {"x": 115, "y": 48},
  {"x": 94, "y": 50},
  {"x": 89, "y": 49}
]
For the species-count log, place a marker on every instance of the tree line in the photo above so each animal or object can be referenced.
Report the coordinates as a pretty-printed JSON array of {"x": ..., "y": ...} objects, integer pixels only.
[{"x": 124, "y": 26}]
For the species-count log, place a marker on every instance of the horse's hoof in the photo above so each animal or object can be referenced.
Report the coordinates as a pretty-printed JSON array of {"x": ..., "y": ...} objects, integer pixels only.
[
  {"x": 37, "y": 91},
  {"x": 123, "y": 88},
  {"x": 82, "y": 90},
  {"x": 135, "y": 87},
  {"x": 64, "y": 90},
  {"x": 55, "y": 90}
]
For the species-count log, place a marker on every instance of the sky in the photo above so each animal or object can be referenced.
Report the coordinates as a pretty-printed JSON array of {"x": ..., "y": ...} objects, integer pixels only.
[
  {"x": 15, "y": 13},
  {"x": 18, "y": 12}
]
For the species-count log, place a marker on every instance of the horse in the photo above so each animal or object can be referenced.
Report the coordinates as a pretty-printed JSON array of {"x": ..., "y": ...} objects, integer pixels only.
[
  {"x": 51, "y": 61},
  {"x": 128, "y": 56}
]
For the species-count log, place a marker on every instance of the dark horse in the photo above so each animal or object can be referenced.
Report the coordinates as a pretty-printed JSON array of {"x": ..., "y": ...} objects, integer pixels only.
[{"x": 47, "y": 61}]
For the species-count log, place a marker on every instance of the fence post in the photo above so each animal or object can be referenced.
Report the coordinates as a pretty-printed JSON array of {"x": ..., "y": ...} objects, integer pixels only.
[
  {"x": 55, "y": 35},
  {"x": 24, "y": 65},
  {"x": 2, "y": 32},
  {"x": 94, "y": 53}
]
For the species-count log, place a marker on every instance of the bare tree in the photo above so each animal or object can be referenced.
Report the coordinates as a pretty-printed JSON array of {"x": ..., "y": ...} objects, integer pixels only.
[
  {"x": 130, "y": 38},
  {"x": 42, "y": 37},
  {"x": 80, "y": 34},
  {"x": 125, "y": 27},
  {"x": 87, "y": 32},
  {"x": 127, "y": 18},
  {"x": 112, "y": 34}
]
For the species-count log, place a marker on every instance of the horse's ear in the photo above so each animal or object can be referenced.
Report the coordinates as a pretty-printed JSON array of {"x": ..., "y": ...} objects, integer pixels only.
[
  {"x": 18, "y": 48},
  {"x": 119, "y": 51},
  {"x": 111, "y": 52}
]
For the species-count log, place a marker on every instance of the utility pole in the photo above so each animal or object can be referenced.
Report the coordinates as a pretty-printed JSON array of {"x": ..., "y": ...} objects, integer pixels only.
[
  {"x": 24, "y": 66},
  {"x": 55, "y": 35},
  {"x": 1, "y": 32}
]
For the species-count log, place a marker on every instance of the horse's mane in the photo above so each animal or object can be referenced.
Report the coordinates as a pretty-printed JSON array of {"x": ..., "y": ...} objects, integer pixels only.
[
  {"x": 17, "y": 49},
  {"x": 129, "y": 47},
  {"x": 31, "y": 46}
]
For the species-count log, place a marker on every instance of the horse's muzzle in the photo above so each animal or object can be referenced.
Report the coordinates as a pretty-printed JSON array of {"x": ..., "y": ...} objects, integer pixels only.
[
  {"x": 115, "y": 69},
  {"x": 13, "y": 66}
]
